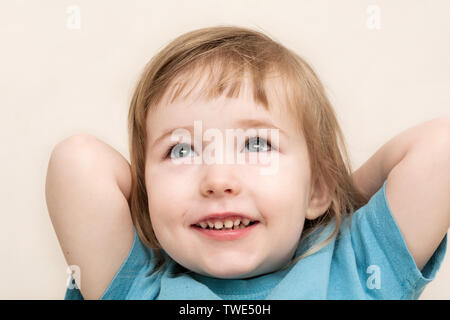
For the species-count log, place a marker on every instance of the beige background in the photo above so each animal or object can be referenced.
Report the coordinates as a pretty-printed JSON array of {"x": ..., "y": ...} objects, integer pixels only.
[{"x": 57, "y": 81}]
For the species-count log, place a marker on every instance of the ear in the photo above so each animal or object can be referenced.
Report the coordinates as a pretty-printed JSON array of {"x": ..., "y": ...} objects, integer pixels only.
[{"x": 320, "y": 199}]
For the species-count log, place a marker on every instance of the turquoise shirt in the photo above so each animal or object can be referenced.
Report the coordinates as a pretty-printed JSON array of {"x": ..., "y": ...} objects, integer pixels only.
[{"x": 369, "y": 260}]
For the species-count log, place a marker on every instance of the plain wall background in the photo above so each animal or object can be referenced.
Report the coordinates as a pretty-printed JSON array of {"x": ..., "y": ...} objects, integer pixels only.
[{"x": 57, "y": 80}]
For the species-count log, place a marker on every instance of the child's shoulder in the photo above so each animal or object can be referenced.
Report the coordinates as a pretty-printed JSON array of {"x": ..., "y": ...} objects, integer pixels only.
[{"x": 375, "y": 240}]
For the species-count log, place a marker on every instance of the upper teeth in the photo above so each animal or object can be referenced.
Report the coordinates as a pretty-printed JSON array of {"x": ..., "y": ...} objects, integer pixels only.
[{"x": 228, "y": 223}]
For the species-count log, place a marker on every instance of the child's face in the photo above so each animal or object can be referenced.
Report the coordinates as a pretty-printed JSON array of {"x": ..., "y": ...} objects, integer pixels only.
[{"x": 179, "y": 195}]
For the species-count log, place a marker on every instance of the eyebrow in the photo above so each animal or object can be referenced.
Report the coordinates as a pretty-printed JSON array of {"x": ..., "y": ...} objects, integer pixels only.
[{"x": 242, "y": 123}]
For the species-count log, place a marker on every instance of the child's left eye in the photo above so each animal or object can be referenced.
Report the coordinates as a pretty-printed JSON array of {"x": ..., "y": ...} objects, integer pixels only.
[{"x": 257, "y": 141}]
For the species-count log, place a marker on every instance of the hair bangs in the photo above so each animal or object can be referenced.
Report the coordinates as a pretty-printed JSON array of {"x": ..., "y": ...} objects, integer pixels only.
[{"x": 217, "y": 75}]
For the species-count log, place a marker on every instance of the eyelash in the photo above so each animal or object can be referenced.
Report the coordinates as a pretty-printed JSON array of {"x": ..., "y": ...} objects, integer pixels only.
[{"x": 269, "y": 145}]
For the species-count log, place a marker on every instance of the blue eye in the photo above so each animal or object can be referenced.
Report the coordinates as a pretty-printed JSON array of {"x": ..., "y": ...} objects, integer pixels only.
[
  {"x": 182, "y": 149},
  {"x": 258, "y": 141},
  {"x": 179, "y": 149}
]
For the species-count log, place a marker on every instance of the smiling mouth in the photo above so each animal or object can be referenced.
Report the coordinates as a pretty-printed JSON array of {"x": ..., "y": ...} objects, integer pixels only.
[
  {"x": 229, "y": 223},
  {"x": 221, "y": 227},
  {"x": 227, "y": 234}
]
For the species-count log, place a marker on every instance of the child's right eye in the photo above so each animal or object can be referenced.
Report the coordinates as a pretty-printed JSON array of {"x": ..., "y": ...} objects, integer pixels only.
[{"x": 178, "y": 149}]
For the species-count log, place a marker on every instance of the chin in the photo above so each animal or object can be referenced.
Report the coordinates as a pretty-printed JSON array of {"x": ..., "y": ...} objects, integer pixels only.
[
  {"x": 230, "y": 271},
  {"x": 227, "y": 275}
]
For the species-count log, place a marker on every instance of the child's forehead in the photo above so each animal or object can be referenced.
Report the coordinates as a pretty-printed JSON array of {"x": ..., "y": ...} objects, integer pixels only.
[{"x": 221, "y": 110}]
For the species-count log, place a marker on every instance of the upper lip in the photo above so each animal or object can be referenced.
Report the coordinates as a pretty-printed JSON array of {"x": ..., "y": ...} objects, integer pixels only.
[{"x": 223, "y": 216}]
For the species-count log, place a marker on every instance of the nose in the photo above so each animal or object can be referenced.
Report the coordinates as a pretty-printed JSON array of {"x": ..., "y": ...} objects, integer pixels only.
[{"x": 219, "y": 181}]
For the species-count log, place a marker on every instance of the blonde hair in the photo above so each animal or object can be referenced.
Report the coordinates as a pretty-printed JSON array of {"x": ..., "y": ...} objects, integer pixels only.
[{"x": 228, "y": 53}]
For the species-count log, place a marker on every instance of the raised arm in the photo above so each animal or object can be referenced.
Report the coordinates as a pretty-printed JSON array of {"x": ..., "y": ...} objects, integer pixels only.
[
  {"x": 416, "y": 164},
  {"x": 87, "y": 188}
]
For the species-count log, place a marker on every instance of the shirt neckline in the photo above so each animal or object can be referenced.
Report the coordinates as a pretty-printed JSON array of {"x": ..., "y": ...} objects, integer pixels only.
[{"x": 253, "y": 285}]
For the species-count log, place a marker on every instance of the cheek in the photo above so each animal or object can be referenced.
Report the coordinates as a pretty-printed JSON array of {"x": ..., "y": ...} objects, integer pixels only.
[
  {"x": 282, "y": 198},
  {"x": 288, "y": 185},
  {"x": 168, "y": 191}
]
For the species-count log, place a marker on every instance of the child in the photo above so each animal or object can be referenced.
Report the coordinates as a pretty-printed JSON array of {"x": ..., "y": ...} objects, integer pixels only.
[{"x": 310, "y": 229}]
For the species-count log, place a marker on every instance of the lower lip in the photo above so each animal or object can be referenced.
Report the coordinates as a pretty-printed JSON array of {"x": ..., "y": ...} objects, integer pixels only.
[{"x": 227, "y": 234}]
